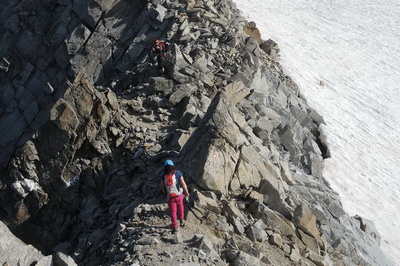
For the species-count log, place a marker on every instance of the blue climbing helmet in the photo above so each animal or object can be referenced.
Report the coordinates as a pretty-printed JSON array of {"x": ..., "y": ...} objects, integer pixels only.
[{"x": 169, "y": 162}]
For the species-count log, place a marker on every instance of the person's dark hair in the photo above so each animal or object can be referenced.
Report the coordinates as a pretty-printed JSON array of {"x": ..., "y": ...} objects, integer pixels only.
[{"x": 169, "y": 169}]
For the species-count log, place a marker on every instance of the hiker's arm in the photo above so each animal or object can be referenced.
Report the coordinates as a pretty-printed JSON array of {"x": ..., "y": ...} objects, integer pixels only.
[{"x": 185, "y": 190}]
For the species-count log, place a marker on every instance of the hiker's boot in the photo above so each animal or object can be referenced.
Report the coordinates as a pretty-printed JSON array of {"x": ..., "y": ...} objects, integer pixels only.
[{"x": 182, "y": 223}]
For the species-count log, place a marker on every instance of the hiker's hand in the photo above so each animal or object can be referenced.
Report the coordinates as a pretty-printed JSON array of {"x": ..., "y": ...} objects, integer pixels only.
[{"x": 186, "y": 194}]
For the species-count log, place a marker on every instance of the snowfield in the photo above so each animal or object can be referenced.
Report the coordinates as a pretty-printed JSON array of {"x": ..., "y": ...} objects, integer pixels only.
[{"x": 354, "y": 47}]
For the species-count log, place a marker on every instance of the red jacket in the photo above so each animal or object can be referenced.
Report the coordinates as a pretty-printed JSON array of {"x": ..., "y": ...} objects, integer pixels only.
[{"x": 160, "y": 49}]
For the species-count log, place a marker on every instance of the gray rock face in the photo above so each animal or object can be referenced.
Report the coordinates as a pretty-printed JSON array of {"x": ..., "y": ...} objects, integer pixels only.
[
  {"x": 206, "y": 245},
  {"x": 93, "y": 121},
  {"x": 246, "y": 259},
  {"x": 11, "y": 245},
  {"x": 15, "y": 252},
  {"x": 63, "y": 260},
  {"x": 205, "y": 202},
  {"x": 61, "y": 38},
  {"x": 256, "y": 231},
  {"x": 306, "y": 221}
]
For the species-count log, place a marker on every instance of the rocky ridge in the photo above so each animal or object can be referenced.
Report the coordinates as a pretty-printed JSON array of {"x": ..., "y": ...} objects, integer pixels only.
[{"x": 94, "y": 121}]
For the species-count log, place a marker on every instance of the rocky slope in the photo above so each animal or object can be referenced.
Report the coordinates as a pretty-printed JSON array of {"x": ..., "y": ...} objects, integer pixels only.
[{"x": 93, "y": 120}]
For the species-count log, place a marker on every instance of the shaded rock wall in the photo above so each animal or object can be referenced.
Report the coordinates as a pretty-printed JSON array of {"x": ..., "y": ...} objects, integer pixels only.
[{"x": 45, "y": 45}]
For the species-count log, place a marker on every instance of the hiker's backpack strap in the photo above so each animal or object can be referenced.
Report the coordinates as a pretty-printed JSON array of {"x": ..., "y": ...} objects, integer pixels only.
[{"x": 178, "y": 174}]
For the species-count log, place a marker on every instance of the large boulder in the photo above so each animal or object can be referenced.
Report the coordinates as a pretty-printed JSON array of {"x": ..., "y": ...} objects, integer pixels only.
[
  {"x": 60, "y": 259},
  {"x": 256, "y": 232},
  {"x": 203, "y": 243},
  {"x": 212, "y": 147},
  {"x": 236, "y": 91},
  {"x": 272, "y": 219},
  {"x": 305, "y": 219},
  {"x": 270, "y": 47},
  {"x": 204, "y": 202},
  {"x": 15, "y": 252},
  {"x": 252, "y": 30}
]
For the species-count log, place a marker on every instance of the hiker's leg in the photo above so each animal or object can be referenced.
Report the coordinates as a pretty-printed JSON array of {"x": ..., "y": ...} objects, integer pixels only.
[
  {"x": 173, "y": 208},
  {"x": 160, "y": 62},
  {"x": 181, "y": 208}
]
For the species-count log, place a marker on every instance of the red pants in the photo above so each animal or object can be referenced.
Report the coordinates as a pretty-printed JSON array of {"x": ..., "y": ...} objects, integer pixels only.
[{"x": 176, "y": 205}]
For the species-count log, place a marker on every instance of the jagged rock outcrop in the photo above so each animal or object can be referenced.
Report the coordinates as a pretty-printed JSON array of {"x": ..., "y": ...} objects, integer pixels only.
[
  {"x": 15, "y": 252},
  {"x": 94, "y": 120}
]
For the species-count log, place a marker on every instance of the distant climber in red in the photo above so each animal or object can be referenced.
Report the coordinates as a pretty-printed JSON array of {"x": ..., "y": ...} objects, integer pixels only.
[{"x": 160, "y": 50}]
